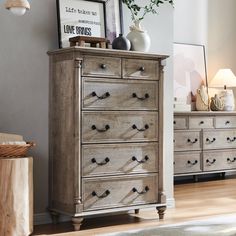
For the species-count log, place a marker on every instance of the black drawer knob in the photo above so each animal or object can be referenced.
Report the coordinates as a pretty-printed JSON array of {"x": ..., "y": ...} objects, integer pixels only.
[
  {"x": 104, "y": 162},
  {"x": 142, "y": 129},
  {"x": 103, "y": 66},
  {"x": 210, "y": 141},
  {"x": 106, "y": 128},
  {"x": 192, "y": 163},
  {"x": 142, "y": 68},
  {"x": 192, "y": 141},
  {"x": 145, "y": 159},
  {"x": 104, "y": 96},
  {"x": 146, "y": 189},
  {"x": 146, "y": 96},
  {"x": 211, "y": 162},
  {"x": 103, "y": 195}
]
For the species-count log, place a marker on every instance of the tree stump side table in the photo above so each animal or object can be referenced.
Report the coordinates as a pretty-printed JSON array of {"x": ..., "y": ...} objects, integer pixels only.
[{"x": 16, "y": 196}]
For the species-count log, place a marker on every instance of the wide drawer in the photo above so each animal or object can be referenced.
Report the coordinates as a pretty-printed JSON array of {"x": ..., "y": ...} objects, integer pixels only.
[
  {"x": 118, "y": 94},
  {"x": 111, "y": 159},
  {"x": 219, "y": 160},
  {"x": 110, "y": 192},
  {"x": 226, "y": 122},
  {"x": 101, "y": 66},
  {"x": 187, "y": 162},
  {"x": 140, "y": 69},
  {"x": 217, "y": 139},
  {"x": 180, "y": 122},
  {"x": 201, "y": 122},
  {"x": 187, "y": 140},
  {"x": 119, "y": 126}
]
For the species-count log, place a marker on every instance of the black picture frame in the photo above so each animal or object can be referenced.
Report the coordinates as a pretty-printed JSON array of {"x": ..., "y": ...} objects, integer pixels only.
[{"x": 112, "y": 15}]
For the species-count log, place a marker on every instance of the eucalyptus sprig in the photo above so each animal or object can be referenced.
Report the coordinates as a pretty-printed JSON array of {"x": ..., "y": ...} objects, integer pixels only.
[{"x": 139, "y": 12}]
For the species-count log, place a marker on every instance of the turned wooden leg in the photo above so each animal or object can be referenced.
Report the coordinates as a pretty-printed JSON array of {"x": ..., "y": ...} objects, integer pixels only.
[
  {"x": 161, "y": 212},
  {"x": 195, "y": 178},
  {"x": 55, "y": 216},
  {"x": 77, "y": 222},
  {"x": 136, "y": 211}
]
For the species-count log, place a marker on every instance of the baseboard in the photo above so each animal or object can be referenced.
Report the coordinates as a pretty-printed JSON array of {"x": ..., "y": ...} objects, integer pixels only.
[{"x": 45, "y": 218}]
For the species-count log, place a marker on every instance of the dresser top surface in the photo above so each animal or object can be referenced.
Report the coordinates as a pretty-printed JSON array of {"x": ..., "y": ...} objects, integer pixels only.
[
  {"x": 108, "y": 52},
  {"x": 206, "y": 113}
]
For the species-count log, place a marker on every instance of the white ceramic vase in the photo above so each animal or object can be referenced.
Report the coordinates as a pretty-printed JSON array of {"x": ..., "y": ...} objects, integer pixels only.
[{"x": 139, "y": 38}]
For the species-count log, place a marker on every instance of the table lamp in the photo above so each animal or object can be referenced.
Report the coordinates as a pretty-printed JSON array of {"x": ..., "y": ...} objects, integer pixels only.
[
  {"x": 17, "y": 7},
  {"x": 225, "y": 78}
]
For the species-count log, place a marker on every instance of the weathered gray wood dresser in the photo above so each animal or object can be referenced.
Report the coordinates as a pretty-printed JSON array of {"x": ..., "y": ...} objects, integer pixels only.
[
  {"x": 204, "y": 142},
  {"x": 106, "y": 132}
]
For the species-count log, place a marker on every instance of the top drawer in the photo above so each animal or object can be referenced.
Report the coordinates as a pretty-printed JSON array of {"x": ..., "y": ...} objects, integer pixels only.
[
  {"x": 140, "y": 69},
  {"x": 201, "y": 122},
  {"x": 101, "y": 66},
  {"x": 226, "y": 122},
  {"x": 180, "y": 122}
]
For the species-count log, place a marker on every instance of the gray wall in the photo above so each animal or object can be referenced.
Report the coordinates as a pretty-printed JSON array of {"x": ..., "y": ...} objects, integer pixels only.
[{"x": 24, "y": 42}]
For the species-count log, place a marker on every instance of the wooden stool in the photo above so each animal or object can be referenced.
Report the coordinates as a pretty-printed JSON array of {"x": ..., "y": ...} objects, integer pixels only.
[
  {"x": 81, "y": 40},
  {"x": 16, "y": 196}
]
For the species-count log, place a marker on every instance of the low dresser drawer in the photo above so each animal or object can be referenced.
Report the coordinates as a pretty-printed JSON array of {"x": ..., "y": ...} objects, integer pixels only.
[
  {"x": 117, "y": 94},
  {"x": 201, "y": 122},
  {"x": 219, "y": 160},
  {"x": 119, "y": 159},
  {"x": 187, "y": 140},
  {"x": 110, "y": 192},
  {"x": 101, "y": 66},
  {"x": 226, "y": 122},
  {"x": 140, "y": 69},
  {"x": 119, "y": 126},
  {"x": 180, "y": 122},
  {"x": 187, "y": 162},
  {"x": 217, "y": 139}
]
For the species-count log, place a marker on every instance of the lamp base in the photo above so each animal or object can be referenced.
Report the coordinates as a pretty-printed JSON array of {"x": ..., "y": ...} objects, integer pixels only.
[{"x": 227, "y": 97}]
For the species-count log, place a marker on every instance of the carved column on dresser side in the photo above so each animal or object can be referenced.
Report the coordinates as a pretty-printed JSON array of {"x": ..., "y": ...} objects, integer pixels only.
[{"x": 77, "y": 222}]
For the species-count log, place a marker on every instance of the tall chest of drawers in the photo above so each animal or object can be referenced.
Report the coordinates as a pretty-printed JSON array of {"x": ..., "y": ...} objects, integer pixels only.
[
  {"x": 204, "y": 142},
  {"x": 105, "y": 132}
]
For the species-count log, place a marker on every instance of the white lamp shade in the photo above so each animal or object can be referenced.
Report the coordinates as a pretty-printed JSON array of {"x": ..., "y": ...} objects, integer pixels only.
[
  {"x": 223, "y": 78},
  {"x": 17, "y": 7}
]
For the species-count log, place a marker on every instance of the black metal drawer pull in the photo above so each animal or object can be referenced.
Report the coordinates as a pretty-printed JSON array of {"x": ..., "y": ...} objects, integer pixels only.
[
  {"x": 104, "y": 162},
  {"x": 201, "y": 122},
  {"x": 194, "y": 141},
  {"x": 142, "y": 68},
  {"x": 174, "y": 122},
  {"x": 146, "y": 189},
  {"x": 210, "y": 141},
  {"x": 230, "y": 140},
  {"x": 229, "y": 160},
  {"x": 103, "y": 66},
  {"x": 104, "y": 96},
  {"x": 146, "y": 96},
  {"x": 143, "y": 129},
  {"x": 211, "y": 162},
  {"x": 105, "y": 194},
  {"x": 192, "y": 163},
  {"x": 227, "y": 122},
  {"x": 145, "y": 159},
  {"x": 107, "y": 127}
]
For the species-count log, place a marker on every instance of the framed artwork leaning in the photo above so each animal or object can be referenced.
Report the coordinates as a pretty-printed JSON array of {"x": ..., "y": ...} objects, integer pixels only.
[
  {"x": 93, "y": 18},
  {"x": 189, "y": 70}
]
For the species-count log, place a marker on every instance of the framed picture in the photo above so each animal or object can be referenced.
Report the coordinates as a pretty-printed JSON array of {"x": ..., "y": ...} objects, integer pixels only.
[
  {"x": 93, "y": 18},
  {"x": 189, "y": 70}
]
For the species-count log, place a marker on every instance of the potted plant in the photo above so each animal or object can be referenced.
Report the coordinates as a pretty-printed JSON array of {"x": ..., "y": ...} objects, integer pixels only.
[{"x": 140, "y": 40}]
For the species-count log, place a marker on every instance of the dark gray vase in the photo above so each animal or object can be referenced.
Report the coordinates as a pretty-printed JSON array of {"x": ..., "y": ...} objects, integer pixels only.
[{"x": 121, "y": 43}]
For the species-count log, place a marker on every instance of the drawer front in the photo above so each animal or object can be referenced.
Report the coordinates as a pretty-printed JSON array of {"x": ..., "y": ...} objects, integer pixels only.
[
  {"x": 201, "y": 122},
  {"x": 103, "y": 193},
  {"x": 219, "y": 160},
  {"x": 119, "y": 126},
  {"x": 180, "y": 122},
  {"x": 187, "y": 162},
  {"x": 140, "y": 69},
  {"x": 119, "y": 94},
  {"x": 187, "y": 140},
  {"x": 217, "y": 139},
  {"x": 226, "y": 122},
  {"x": 101, "y": 66},
  {"x": 119, "y": 159}
]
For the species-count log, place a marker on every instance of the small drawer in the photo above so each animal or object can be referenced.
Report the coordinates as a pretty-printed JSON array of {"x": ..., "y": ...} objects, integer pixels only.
[
  {"x": 187, "y": 140},
  {"x": 220, "y": 160},
  {"x": 100, "y": 193},
  {"x": 217, "y": 139},
  {"x": 119, "y": 126},
  {"x": 187, "y": 162},
  {"x": 140, "y": 69},
  {"x": 113, "y": 159},
  {"x": 101, "y": 66},
  {"x": 201, "y": 122},
  {"x": 180, "y": 122},
  {"x": 117, "y": 94},
  {"x": 226, "y": 122}
]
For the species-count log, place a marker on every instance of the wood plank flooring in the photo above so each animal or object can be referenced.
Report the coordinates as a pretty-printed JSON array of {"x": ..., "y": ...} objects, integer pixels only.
[{"x": 193, "y": 201}]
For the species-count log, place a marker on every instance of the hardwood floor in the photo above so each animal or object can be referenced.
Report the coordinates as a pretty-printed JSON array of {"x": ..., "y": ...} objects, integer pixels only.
[{"x": 193, "y": 201}]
